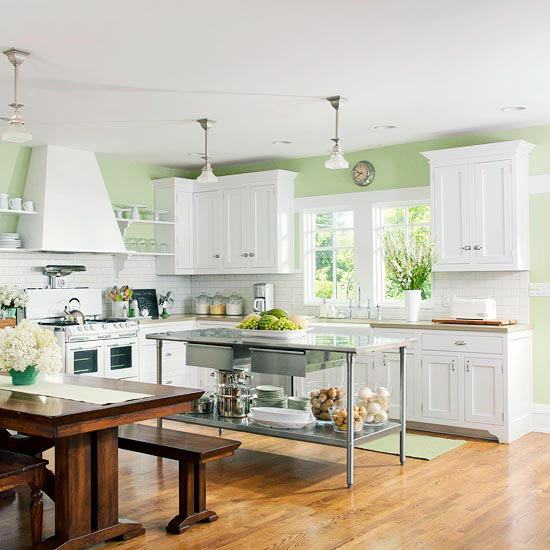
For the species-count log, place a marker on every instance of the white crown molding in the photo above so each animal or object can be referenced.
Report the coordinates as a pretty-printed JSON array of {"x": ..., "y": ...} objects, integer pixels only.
[{"x": 485, "y": 149}]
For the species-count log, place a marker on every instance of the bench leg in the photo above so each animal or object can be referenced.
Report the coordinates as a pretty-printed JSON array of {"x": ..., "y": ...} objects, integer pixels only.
[
  {"x": 192, "y": 498},
  {"x": 36, "y": 516}
]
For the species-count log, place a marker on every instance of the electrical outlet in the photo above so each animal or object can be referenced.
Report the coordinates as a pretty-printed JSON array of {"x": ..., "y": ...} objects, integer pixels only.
[{"x": 539, "y": 289}]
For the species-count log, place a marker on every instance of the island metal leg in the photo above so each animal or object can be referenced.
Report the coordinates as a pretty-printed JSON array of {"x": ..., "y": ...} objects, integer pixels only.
[
  {"x": 350, "y": 434},
  {"x": 159, "y": 373},
  {"x": 402, "y": 401}
]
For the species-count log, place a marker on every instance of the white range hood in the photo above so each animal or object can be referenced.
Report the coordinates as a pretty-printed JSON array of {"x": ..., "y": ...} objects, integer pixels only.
[{"x": 74, "y": 212}]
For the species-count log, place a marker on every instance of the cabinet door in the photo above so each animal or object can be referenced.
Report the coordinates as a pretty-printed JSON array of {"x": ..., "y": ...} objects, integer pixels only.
[
  {"x": 440, "y": 387},
  {"x": 387, "y": 374},
  {"x": 493, "y": 225},
  {"x": 451, "y": 214},
  {"x": 184, "y": 230},
  {"x": 483, "y": 390},
  {"x": 262, "y": 233},
  {"x": 235, "y": 221},
  {"x": 206, "y": 213}
]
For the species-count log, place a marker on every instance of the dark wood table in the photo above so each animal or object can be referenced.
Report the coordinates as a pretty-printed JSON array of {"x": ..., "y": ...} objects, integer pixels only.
[{"x": 85, "y": 436}]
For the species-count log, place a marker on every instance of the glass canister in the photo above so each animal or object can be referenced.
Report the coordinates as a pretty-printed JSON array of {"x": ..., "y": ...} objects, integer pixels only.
[
  {"x": 234, "y": 305},
  {"x": 218, "y": 305},
  {"x": 374, "y": 405},
  {"x": 324, "y": 397},
  {"x": 202, "y": 304}
]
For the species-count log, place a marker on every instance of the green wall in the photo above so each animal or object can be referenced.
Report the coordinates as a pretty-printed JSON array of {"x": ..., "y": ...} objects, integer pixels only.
[{"x": 396, "y": 166}]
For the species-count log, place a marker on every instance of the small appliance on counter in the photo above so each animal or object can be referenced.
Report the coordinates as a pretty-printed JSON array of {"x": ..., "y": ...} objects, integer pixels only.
[
  {"x": 474, "y": 308},
  {"x": 262, "y": 297}
]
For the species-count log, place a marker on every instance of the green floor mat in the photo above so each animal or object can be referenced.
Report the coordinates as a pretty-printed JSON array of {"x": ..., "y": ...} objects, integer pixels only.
[{"x": 424, "y": 447}]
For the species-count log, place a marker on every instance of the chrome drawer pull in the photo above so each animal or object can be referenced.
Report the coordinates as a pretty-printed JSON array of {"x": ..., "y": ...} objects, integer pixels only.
[
  {"x": 460, "y": 343},
  {"x": 467, "y": 247},
  {"x": 478, "y": 247},
  {"x": 283, "y": 351}
]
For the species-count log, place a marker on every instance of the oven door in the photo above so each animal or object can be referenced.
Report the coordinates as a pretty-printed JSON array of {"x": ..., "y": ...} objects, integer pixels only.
[
  {"x": 121, "y": 358},
  {"x": 85, "y": 358}
]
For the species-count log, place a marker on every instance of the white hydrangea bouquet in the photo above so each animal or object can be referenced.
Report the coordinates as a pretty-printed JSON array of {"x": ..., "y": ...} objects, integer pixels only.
[
  {"x": 12, "y": 298},
  {"x": 27, "y": 349}
]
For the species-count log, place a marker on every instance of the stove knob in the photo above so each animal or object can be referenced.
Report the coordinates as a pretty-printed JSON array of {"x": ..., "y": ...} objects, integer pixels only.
[
  {"x": 86, "y": 327},
  {"x": 104, "y": 325},
  {"x": 79, "y": 328}
]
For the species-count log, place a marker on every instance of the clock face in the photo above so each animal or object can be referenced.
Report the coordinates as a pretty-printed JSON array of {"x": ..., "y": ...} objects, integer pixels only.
[{"x": 363, "y": 173}]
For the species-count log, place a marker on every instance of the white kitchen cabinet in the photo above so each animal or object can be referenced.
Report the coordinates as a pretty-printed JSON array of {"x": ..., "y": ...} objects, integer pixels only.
[
  {"x": 480, "y": 206},
  {"x": 244, "y": 223},
  {"x": 235, "y": 223},
  {"x": 387, "y": 374},
  {"x": 440, "y": 386},
  {"x": 473, "y": 382},
  {"x": 483, "y": 390},
  {"x": 206, "y": 230}
]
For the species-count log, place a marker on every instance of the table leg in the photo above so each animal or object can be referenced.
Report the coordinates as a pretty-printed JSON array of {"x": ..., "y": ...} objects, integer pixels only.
[
  {"x": 159, "y": 373},
  {"x": 86, "y": 492},
  {"x": 402, "y": 400},
  {"x": 350, "y": 434}
]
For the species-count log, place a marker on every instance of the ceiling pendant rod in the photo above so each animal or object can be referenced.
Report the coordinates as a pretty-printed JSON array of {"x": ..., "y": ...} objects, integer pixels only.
[
  {"x": 207, "y": 174},
  {"x": 336, "y": 161}
]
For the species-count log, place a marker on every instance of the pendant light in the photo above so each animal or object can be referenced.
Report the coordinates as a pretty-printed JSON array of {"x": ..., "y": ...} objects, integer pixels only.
[
  {"x": 207, "y": 174},
  {"x": 16, "y": 133},
  {"x": 336, "y": 161}
]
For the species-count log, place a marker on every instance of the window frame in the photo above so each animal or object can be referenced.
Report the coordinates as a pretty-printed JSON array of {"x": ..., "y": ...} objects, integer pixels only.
[
  {"x": 309, "y": 229},
  {"x": 378, "y": 260}
]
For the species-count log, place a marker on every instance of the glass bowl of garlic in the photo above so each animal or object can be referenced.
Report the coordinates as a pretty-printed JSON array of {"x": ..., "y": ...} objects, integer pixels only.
[{"x": 376, "y": 404}]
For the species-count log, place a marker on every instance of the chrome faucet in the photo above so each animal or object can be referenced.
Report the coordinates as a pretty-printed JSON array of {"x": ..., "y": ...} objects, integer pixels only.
[{"x": 353, "y": 282}]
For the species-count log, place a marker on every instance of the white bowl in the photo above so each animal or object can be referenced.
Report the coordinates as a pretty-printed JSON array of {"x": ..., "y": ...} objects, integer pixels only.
[
  {"x": 282, "y": 425},
  {"x": 280, "y": 415}
]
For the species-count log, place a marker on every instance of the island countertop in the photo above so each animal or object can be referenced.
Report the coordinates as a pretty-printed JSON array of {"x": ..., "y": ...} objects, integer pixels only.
[{"x": 344, "y": 343}]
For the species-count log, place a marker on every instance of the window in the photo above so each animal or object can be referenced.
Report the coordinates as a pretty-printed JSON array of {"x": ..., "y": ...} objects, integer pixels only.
[
  {"x": 410, "y": 221},
  {"x": 330, "y": 262}
]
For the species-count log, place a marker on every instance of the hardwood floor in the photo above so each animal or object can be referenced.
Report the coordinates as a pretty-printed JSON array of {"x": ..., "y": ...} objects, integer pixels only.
[{"x": 280, "y": 494}]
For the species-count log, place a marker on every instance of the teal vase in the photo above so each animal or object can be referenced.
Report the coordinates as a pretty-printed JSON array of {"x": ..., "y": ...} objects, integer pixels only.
[
  {"x": 10, "y": 313},
  {"x": 24, "y": 377}
]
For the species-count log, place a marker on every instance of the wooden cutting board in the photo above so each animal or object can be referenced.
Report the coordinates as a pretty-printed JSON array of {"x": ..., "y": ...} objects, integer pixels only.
[{"x": 485, "y": 322}]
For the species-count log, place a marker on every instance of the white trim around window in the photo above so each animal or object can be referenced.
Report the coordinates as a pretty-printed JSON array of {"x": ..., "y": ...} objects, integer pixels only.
[
  {"x": 361, "y": 203},
  {"x": 379, "y": 282}
]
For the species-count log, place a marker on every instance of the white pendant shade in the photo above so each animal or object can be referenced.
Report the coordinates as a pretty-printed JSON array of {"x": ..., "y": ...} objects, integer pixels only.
[
  {"x": 207, "y": 175},
  {"x": 336, "y": 161},
  {"x": 16, "y": 133}
]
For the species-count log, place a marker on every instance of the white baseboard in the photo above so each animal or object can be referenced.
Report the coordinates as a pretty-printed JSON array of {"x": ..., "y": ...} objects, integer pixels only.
[{"x": 541, "y": 418}]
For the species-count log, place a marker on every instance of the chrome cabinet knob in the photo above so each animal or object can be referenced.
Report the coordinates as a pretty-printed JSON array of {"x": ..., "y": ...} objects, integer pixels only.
[
  {"x": 216, "y": 255},
  {"x": 478, "y": 247},
  {"x": 245, "y": 255},
  {"x": 460, "y": 342},
  {"x": 251, "y": 254},
  {"x": 467, "y": 247}
]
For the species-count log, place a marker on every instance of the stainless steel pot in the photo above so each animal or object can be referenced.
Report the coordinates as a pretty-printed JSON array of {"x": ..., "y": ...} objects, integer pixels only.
[
  {"x": 204, "y": 405},
  {"x": 233, "y": 406},
  {"x": 234, "y": 390},
  {"x": 227, "y": 377}
]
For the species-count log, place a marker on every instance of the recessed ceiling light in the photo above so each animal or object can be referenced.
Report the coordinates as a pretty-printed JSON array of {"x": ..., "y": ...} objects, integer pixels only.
[
  {"x": 281, "y": 142},
  {"x": 513, "y": 108},
  {"x": 385, "y": 127}
]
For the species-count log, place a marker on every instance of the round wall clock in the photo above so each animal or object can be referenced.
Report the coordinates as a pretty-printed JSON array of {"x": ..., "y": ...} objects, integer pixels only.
[{"x": 363, "y": 173}]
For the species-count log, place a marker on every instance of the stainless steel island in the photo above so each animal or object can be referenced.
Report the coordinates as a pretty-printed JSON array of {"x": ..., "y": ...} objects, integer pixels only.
[{"x": 223, "y": 348}]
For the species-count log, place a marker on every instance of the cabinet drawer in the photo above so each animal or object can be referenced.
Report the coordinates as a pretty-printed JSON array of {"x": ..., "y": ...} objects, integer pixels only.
[{"x": 463, "y": 343}]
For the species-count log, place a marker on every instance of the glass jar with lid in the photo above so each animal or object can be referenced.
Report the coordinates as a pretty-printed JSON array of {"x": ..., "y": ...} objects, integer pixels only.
[{"x": 202, "y": 304}]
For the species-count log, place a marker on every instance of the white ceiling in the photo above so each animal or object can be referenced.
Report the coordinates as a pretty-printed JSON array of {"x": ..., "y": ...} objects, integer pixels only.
[{"x": 261, "y": 68}]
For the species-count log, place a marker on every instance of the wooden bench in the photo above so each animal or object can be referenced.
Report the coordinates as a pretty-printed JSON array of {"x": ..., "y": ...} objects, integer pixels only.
[
  {"x": 17, "y": 470},
  {"x": 192, "y": 451}
]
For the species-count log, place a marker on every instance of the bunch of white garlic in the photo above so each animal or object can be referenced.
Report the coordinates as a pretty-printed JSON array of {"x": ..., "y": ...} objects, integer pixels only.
[{"x": 377, "y": 404}]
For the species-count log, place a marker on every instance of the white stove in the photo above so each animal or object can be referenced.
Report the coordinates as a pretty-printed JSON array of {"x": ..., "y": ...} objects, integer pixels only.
[{"x": 100, "y": 346}]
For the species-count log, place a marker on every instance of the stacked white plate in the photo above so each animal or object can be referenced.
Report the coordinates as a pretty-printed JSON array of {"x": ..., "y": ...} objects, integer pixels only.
[
  {"x": 299, "y": 403},
  {"x": 273, "y": 417},
  {"x": 270, "y": 396},
  {"x": 10, "y": 240}
]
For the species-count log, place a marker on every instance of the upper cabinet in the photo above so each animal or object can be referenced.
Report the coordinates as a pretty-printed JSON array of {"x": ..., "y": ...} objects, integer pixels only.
[
  {"x": 480, "y": 206},
  {"x": 241, "y": 224}
]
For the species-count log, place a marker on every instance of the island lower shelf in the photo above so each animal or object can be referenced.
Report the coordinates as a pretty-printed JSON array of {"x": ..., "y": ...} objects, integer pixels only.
[{"x": 320, "y": 433}]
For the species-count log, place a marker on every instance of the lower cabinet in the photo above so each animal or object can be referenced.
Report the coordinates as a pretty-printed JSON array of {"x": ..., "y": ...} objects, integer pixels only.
[
  {"x": 483, "y": 390},
  {"x": 439, "y": 386}
]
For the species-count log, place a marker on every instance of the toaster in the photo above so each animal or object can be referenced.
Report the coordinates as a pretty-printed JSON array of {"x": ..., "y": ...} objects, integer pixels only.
[{"x": 473, "y": 308}]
